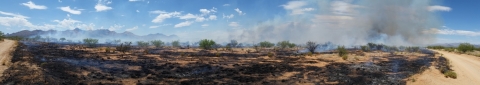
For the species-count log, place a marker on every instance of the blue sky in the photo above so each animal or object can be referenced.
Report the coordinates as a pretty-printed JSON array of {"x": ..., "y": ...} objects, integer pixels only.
[{"x": 215, "y": 19}]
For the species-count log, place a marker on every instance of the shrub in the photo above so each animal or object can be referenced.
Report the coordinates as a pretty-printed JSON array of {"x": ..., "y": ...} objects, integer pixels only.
[
  {"x": 90, "y": 42},
  {"x": 157, "y": 43},
  {"x": 365, "y": 48},
  {"x": 450, "y": 74},
  {"x": 311, "y": 46},
  {"x": 124, "y": 47},
  {"x": 309, "y": 54},
  {"x": 342, "y": 51},
  {"x": 62, "y": 39},
  {"x": 270, "y": 54},
  {"x": 143, "y": 44},
  {"x": 233, "y": 44},
  {"x": 176, "y": 43},
  {"x": 464, "y": 47},
  {"x": 345, "y": 57},
  {"x": 284, "y": 44},
  {"x": 207, "y": 44},
  {"x": 266, "y": 44}
]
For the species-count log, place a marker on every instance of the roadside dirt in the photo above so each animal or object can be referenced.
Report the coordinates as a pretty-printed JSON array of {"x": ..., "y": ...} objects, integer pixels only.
[
  {"x": 6, "y": 48},
  {"x": 467, "y": 68}
]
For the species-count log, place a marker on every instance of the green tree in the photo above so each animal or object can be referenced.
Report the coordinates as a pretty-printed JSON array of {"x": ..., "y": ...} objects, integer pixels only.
[
  {"x": 283, "y": 44},
  {"x": 124, "y": 47},
  {"x": 90, "y": 42},
  {"x": 266, "y": 44},
  {"x": 311, "y": 46},
  {"x": 465, "y": 47},
  {"x": 207, "y": 44},
  {"x": 62, "y": 39},
  {"x": 2, "y": 36},
  {"x": 365, "y": 48},
  {"x": 157, "y": 43},
  {"x": 176, "y": 43},
  {"x": 143, "y": 44}
]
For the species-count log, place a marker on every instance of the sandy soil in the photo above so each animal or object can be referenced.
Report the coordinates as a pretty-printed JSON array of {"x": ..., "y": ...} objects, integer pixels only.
[
  {"x": 6, "y": 47},
  {"x": 467, "y": 68}
]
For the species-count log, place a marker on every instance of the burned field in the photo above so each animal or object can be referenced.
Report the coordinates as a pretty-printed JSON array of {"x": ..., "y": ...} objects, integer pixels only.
[{"x": 47, "y": 63}]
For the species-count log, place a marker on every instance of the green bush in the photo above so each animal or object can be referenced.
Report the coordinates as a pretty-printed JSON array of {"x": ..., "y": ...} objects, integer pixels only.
[
  {"x": 2, "y": 36},
  {"x": 266, "y": 44},
  {"x": 157, "y": 43},
  {"x": 284, "y": 44},
  {"x": 176, "y": 43},
  {"x": 309, "y": 54},
  {"x": 464, "y": 47},
  {"x": 90, "y": 42},
  {"x": 450, "y": 74},
  {"x": 342, "y": 51},
  {"x": 206, "y": 44},
  {"x": 345, "y": 57},
  {"x": 365, "y": 48},
  {"x": 124, "y": 47},
  {"x": 270, "y": 54},
  {"x": 143, "y": 44}
]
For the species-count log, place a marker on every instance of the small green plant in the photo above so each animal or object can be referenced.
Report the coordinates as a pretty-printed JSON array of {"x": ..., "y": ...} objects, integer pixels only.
[
  {"x": 124, "y": 47},
  {"x": 345, "y": 57},
  {"x": 176, "y": 43},
  {"x": 266, "y": 44},
  {"x": 309, "y": 54},
  {"x": 285, "y": 44},
  {"x": 365, "y": 48},
  {"x": 270, "y": 54},
  {"x": 107, "y": 50},
  {"x": 450, "y": 74},
  {"x": 143, "y": 44},
  {"x": 1, "y": 36}
]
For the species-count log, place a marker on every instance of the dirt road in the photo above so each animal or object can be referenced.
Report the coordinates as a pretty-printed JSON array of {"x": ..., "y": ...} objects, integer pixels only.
[
  {"x": 6, "y": 48},
  {"x": 467, "y": 68}
]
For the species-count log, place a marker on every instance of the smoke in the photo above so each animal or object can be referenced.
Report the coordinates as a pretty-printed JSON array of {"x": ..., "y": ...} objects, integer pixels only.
[{"x": 349, "y": 22}]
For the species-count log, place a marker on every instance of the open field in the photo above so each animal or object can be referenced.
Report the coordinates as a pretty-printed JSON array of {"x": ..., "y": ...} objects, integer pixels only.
[{"x": 47, "y": 63}]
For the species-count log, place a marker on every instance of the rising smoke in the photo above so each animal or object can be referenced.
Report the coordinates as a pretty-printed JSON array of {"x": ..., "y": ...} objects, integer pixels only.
[{"x": 349, "y": 22}]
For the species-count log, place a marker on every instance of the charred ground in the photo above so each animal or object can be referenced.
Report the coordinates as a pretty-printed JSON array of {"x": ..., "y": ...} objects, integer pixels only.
[{"x": 48, "y": 63}]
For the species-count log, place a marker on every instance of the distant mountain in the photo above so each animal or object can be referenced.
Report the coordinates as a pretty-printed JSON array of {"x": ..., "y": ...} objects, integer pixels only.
[{"x": 102, "y": 34}]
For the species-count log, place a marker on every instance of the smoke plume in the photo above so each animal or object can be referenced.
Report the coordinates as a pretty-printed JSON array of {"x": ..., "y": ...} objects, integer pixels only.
[{"x": 349, "y": 22}]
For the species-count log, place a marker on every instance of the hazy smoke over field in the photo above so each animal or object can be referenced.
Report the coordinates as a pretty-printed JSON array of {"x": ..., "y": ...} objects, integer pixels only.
[{"x": 347, "y": 22}]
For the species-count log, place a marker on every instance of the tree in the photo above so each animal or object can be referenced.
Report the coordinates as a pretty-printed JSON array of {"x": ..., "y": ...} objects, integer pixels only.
[
  {"x": 157, "y": 43},
  {"x": 464, "y": 47},
  {"x": 365, "y": 48},
  {"x": 233, "y": 44},
  {"x": 116, "y": 42},
  {"x": 266, "y": 44},
  {"x": 62, "y": 39},
  {"x": 143, "y": 44},
  {"x": 311, "y": 46},
  {"x": 176, "y": 43},
  {"x": 207, "y": 44},
  {"x": 2, "y": 36},
  {"x": 284, "y": 44},
  {"x": 90, "y": 42}
]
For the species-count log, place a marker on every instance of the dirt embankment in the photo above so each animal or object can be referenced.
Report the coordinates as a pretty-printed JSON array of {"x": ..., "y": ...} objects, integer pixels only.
[
  {"x": 467, "y": 68},
  {"x": 6, "y": 48}
]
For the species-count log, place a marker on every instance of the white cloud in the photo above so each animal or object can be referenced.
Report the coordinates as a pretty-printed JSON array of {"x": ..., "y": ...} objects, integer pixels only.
[
  {"x": 200, "y": 19},
  {"x": 212, "y": 17},
  {"x": 131, "y": 29},
  {"x": 226, "y": 4},
  {"x": 69, "y": 10},
  {"x": 188, "y": 16},
  {"x": 101, "y": 7},
  {"x": 14, "y": 21},
  {"x": 157, "y": 12},
  {"x": 156, "y": 26},
  {"x": 438, "y": 8},
  {"x": 233, "y": 24},
  {"x": 296, "y": 7},
  {"x": 458, "y": 32},
  {"x": 183, "y": 24},
  {"x": 115, "y": 27},
  {"x": 239, "y": 12},
  {"x": 67, "y": 23},
  {"x": 205, "y": 25},
  {"x": 163, "y": 15},
  {"x": 228, "y": 16},
  {"x": 137, "y": 11},
  {"x": 206, "y": 11},
  {"x": 32, "y": 5},
  {"x": 12, "y": 14}
]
